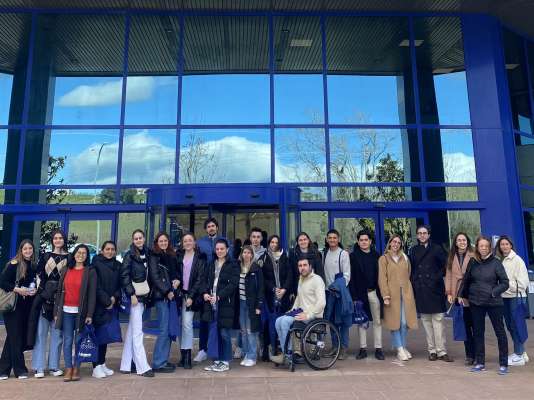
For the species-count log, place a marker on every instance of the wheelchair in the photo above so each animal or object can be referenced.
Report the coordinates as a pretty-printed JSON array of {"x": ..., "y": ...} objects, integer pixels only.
[{"x": 315, "y": 339}]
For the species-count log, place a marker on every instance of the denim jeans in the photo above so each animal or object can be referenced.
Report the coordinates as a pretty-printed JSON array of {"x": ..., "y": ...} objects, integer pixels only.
[
  {"x": 510, "y": 304},
  {"x": 226, "y": 345},
  {"x": 41, "y": 341},
  {"x": 69, "y": 334},
  {"x": 162, "y": 347},
  {"x": 249, "y": 338},
  {"x": 186, "y": 341},
  {"x": 398, "y": 337},
  {"x": 283, "y": 324}
]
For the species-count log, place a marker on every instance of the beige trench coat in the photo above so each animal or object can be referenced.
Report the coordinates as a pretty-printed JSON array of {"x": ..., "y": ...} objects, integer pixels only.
[{"x": 392, "y": 277}]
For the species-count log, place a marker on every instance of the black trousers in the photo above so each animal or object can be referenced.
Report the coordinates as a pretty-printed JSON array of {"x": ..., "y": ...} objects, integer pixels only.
[
  {"x": 203, "y": 334},
  {"x": 479, "y": 324},
  {"x": 102, "y": 350},
  {"x": 16, "y": 323},
  {"x": 469, "y": 344}
]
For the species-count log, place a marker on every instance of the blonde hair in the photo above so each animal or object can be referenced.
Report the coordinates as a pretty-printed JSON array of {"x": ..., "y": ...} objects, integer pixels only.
[
  {"x": 388, "y": 246},
  {"x": 245, "y": 268}
]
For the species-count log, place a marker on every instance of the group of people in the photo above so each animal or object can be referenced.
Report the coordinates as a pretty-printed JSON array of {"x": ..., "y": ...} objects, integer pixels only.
[{"x": 61, "y": 293}]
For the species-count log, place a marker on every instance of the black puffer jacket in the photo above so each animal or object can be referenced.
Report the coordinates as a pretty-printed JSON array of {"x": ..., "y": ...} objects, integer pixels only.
[
  {"x": 134, "y": 269},
  {"x": 255, "y": 296},
  {"x": 226, "y": 288},
  {"x": 286, "y": 281},
  {"x": 484, "y": 282},
  {"x": 316, "y": 261},
  {"x": 107, "y": 285},
  {"x": 428, "y": 273},
  {"x": 162, "y": 270},
  {"x": 197, "y": 278}
]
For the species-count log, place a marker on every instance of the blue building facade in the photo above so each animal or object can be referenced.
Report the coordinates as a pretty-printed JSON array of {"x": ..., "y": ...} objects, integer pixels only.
[{"x": 287, "y": 118}]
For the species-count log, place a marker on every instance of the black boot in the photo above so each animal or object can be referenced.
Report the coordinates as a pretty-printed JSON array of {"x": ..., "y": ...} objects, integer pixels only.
[
  {"x": 187, "y": 362},
  {"x": 181, "y": 364}
]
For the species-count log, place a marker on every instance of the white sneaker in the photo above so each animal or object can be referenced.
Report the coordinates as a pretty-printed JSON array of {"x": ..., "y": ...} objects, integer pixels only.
[
  {"x": 511, "y": 357},
  {"x": 106, "y": 370},
  {"x": 39, "y": 375},
  {"x": 221, "y": 367},
  {"x": 249, "y": 363},
  {"x": 238, "y": 353},
  {"x": 242, "y": 363},
  {"x": 212, "y": 366},
  {"x": 23, "y": 376},
  {"x": 201, "y": 356},
  {"x": 3, "y": 377},
  {"x": 98, "y": 372},
  {"x": 408, "y": 354},
  {"x": 401, "y": 354},
  {"x": 525, "y": 357},
  {"x": 56, "y": 372},
  {"x": 517, "y": 361}
]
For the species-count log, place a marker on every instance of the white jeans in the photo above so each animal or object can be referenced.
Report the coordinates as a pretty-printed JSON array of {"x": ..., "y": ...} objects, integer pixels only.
[
  {"x": 186, "y": 342},
  {"x": 133, "y": 343},
  {"x": 374, "y": 305},
  {"x": 435, "y": 333}
]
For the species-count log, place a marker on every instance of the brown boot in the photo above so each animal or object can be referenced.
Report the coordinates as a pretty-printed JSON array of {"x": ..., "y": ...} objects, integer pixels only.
[
  {"x": 68, "y": 375},
  {"x": 75, "y": 374}
]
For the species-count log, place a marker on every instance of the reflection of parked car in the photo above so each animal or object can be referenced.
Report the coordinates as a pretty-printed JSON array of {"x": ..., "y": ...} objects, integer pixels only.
[{"x": 120, "y": 256}]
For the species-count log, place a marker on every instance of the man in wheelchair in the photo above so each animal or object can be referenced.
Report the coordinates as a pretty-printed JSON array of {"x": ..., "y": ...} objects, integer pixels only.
[{"x": 309, "y": 305}]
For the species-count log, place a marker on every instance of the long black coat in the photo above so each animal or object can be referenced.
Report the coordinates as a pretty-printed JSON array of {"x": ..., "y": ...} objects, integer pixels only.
[
  {"x": 286, "y": 281},
  {"x": 255, "y": 294},
  {"x": 428, "y": 272},
  {"x": 108, "y": 284},
  {"x": 358, "y": 284},
  {"x": 197, "y": 278},
  {"x": 316, "y": 260},
  {"x": 226, "y": 288}
]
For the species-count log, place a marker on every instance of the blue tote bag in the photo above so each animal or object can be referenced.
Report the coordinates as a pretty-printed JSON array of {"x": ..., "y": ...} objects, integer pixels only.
[
  {"x": 519, "y": 315},
  {"x": 110, "y": 332},
  {"x": 458, "y": 325},
  {"x": 86, "y": 345}
]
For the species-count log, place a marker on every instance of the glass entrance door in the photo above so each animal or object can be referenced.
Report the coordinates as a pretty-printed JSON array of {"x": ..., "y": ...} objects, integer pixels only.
[
  {"x": 91, "y": 229},
  {"x": 381, "y": 225},
  {"x": 37, "y": 228}
]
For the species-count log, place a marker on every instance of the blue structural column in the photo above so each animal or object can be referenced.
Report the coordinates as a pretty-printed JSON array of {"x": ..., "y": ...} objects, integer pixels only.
[{"x": 493, "y": 137}]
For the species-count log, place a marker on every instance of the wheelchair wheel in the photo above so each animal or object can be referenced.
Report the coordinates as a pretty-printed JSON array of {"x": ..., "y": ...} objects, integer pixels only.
[{"x": 319, "y": 338}]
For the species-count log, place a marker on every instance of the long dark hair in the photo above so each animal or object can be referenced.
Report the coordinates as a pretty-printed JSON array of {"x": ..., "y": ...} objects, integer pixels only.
[
  {"x": 156, "y": 249},
  {"x": 72, "y": 261},
  {"x": 19, "y": 258},
  {"x": 454, "y": 248},
  {"x": 478, "y": 256},
  {"x": 310, "y": 244},
  {"x": 498, "y": 251},
  {"x": 279, "y": 244},
  {"x": 136, "y": 250},
  {"x": 58, "y": 232}
]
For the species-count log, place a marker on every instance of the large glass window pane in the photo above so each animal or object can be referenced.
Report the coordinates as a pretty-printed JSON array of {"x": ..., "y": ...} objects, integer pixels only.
[
  {"x": 152, "y": 85},
  {"x": 13, "y": 65},
  {"x": 3, "y": 154},
  {"x": 226, "y": 64},
  {"x": 375, "y": 193},
  {"x": 441, "y": 71},
  {"x": 77, "y": 70},
  {"x": 127, "y": 223},
  {"x": 449, "y": 155},
  {"x": 225, "y": 156},
  {"x": 148, "y": 156},
  {"x": 369, "y": 71},
  {"x": 71, "y": 157},
  {"x": 300, "y": 155},
  {"x": 524, "y": 152},
  {"x": 298, "y": 84},
  {"x": 515, "y": 60},
  {"x": 529, "y": 235},
  {"x": 374, "y": 155},
  {"x": 315, "y": 224},
  {"x": 446, "y": 224}
]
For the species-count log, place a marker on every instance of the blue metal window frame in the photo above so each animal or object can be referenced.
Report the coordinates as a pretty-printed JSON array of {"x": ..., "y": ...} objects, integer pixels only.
[{"x": 18, "y": 208}]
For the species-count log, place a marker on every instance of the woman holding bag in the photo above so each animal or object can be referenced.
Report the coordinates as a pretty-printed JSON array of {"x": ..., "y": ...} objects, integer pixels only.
[
  {"x": 134, "y": 281},
  {"x": 192, "y": 269},
  {"x": 108, "y": 293},
  {"x": 459, "y": 256},
  {"x": 162, "y": 269},
  {"x": 18, "y": 276},
  {"x": 517, "y": 273},
  {"x": 75, "y": 304}
]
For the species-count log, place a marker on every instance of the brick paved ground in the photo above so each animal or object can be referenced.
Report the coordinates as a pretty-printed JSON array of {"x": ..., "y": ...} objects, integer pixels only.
[{"x": 351, "y": 379}]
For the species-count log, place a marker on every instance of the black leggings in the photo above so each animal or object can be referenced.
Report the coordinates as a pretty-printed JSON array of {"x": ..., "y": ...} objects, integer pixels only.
[
  {"x": 102, "y": 350},
  {"x": 495, "y": 314},
  {"x": 469, "y": 344}
]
